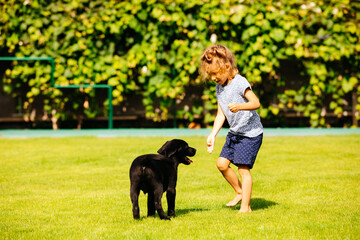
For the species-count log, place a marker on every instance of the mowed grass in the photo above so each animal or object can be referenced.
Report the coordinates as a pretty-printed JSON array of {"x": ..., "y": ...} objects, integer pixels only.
[{"x": 78, "y": 188}]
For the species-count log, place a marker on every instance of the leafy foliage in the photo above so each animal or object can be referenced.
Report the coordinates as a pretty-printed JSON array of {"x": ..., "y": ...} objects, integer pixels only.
[{"x": 151, "y": 48}]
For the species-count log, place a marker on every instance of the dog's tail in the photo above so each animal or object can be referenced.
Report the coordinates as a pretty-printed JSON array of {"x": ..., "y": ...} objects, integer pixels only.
[
  {"x": 140, "y": 163},
  {"x": 142, "y": 168}
]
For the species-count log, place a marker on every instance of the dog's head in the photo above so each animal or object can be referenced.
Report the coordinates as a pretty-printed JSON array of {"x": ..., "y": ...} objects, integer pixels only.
[{"x": 178, "y": 149}]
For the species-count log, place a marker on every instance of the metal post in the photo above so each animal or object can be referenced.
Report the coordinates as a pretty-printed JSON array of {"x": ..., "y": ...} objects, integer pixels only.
[
  {"x": 52, "y": 72},
  {"x": 110, "y": 125}
]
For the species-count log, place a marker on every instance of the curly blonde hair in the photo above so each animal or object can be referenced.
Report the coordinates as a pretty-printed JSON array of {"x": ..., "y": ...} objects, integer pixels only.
[{"x": 218, "y": 57}]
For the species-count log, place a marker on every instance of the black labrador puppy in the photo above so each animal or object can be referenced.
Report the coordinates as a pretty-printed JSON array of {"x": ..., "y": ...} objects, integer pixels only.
[{"x": 156, "y": 173}]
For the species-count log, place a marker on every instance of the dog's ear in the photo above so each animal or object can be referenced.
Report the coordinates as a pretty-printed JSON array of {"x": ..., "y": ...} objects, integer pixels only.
[{"x": 168, "y": 149}]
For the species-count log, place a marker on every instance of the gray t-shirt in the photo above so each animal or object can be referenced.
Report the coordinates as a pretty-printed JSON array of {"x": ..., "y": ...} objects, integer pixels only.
[{"x": 245, "y": 123}]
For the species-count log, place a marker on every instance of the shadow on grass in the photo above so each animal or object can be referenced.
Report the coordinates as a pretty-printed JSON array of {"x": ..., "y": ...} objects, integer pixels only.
[
  {"x": 179, "y": 212},
  {"x": 257, "y": 204},
  {"x": 260, "y": 203}
]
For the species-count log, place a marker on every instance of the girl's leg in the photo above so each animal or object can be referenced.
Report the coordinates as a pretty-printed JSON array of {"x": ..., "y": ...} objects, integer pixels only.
[
  {"x": 246, "y": 189},
  {"x": 230, "y": 175}
]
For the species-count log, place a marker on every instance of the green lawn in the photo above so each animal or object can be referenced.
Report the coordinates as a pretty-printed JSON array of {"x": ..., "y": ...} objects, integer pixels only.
[{"x": 78, "y": 188}]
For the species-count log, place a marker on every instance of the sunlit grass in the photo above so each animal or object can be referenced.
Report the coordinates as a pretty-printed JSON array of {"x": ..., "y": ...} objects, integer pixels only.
[{"x": 78, "y": 188}]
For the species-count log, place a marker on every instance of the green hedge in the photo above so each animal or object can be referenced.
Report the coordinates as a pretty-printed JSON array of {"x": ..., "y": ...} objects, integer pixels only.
[{"x": 151, "y": 48}]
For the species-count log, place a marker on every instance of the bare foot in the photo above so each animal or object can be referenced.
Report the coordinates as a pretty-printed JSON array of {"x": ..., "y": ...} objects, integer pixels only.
[
  {"x": 235, "y": 201},
  {"x": 245, "y": 210}
]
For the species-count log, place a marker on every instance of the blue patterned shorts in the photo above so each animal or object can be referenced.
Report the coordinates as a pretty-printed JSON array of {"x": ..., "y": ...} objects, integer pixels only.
[{"x": 240, "y": 150}]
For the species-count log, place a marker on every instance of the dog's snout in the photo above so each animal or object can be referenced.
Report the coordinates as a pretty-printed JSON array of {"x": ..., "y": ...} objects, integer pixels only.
[{"x": 192, "y": 151}]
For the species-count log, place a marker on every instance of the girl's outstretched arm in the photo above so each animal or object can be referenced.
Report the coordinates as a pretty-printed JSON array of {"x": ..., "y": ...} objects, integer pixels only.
[{"x": 219, "y": 121}]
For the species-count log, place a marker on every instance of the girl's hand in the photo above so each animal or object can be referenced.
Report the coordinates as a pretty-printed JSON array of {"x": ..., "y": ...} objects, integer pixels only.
[
  {"x": 210, "y": 143},
  {"x": 234, "y": 107},
  {"x": 252, "y": 104}
]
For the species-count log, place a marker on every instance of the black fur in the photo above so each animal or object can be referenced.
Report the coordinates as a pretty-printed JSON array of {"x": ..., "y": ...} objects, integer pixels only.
[{"x": 156, "y": 173}]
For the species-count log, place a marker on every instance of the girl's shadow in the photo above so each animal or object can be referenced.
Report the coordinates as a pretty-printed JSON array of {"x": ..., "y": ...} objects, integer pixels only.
[
  {"x": 260, "y": 203},
  {"x": 257, "y": 204}
]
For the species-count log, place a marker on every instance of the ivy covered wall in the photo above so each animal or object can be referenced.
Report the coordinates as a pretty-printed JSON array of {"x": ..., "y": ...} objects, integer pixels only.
[{"x": 151, "y": 49}]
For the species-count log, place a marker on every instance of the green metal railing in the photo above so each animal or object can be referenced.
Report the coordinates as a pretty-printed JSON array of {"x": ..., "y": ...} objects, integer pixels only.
[{"x": 52, "y": 61}]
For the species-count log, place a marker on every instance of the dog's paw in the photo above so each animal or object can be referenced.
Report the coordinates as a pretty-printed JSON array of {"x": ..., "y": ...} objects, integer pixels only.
[{"x": 165, "y": 217}]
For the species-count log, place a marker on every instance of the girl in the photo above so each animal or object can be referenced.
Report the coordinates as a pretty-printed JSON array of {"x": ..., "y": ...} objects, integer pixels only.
[{"x": 237, "y": 104}]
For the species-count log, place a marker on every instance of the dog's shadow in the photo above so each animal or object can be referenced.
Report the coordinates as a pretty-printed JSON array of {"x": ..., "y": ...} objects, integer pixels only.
[
  {"x": 179, "y": 212},
  {"x": 258, "y": 204},
  {"x": 189, "y": 210}
]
